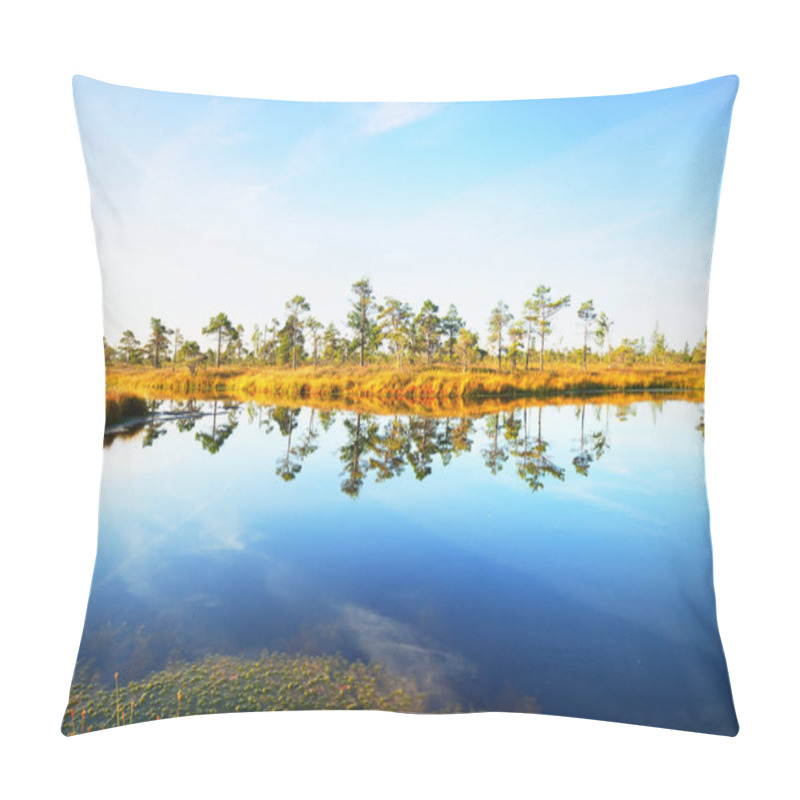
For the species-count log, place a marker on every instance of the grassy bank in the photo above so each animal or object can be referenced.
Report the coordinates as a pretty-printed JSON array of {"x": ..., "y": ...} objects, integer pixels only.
[
  {"x": 222, "y": 684},
  {"x": 430, "y": 406},
  {"x": 409, "y": 384}
]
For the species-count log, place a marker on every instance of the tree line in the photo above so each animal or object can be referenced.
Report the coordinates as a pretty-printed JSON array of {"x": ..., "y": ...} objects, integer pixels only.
[{"x": 392, "y": 333}]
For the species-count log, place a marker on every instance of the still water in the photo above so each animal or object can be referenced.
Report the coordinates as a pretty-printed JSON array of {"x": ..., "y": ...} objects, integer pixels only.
[{"x": 551, "y": 558}]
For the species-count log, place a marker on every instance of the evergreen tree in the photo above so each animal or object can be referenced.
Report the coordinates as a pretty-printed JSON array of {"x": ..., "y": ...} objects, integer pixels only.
[
  {"x": 542, "y": 309},
  {"x": 109, "y": 353},
  {"x": 129, "y": 347},
  {"x": 499, "y": 320},
  {"x": 221, "y": 327},
  {"x": 466, "y": 347},
  {"x": 158, "y": 343},
  {"x": 428, "y": 329},
  {"x": 658, "y": 346},
  {"x": 297, "y": 307},
  {"x": 177, "y": 341},
  {"x": 516, "y": 336},
  {"x": 257, "y": 342},
  {"x": 315, "y": 328},
  {"x": 362, "y": 317},
  {"x": 331, "y": 344},
  {"x": 587, "y": 316},
  {"x": 394, "y": 318},
  {"x": 699, "y": 352},
  {"x": 451, "y": 325},
  {"x": 602, "y": 331}
]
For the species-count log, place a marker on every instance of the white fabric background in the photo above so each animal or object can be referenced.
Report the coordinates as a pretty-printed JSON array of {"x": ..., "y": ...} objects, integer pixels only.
[{"x": 52, "y": 397}]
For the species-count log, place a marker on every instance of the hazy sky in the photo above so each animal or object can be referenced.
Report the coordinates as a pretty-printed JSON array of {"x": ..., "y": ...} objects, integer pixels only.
[{"x": 206, "y": 204}]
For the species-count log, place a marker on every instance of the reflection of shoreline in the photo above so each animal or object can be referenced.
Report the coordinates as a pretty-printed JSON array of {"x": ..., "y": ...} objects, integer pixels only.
[
  {"x": 434, "y": 406},
  {"x": 391, "y": 387},
  {"x": 383, "y": 445}
]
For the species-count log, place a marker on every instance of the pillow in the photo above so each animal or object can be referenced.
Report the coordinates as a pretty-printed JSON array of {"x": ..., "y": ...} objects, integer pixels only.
[{"x": 404, "y": 407}]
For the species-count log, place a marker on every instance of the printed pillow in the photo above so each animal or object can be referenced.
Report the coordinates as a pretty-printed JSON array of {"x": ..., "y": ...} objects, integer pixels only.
[{"x": 404, "y": 407}]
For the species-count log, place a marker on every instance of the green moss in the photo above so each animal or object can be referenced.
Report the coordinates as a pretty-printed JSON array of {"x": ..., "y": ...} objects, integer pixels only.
[{"x": 221, "y": 684}]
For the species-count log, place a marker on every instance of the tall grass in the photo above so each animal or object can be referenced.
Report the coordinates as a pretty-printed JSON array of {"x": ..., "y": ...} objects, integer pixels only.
[{"x": 409, "y": 384}]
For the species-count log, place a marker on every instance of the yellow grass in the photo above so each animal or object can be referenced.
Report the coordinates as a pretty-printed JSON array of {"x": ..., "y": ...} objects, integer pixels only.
[
  {"x": 434, "y": 406},
  {"x": 408, "y": 386}
]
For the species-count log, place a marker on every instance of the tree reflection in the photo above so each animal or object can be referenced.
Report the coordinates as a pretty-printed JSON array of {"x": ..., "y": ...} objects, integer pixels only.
[
  {"x": 623, "y": 411},
  {"x": 289, "y": 465},
  {"x": 326, "y": 419},
  {"x": 388, "y": 447},
  {"x": 533, "y": 464},
  {"x": 152, "y": 432},
  {"x": 265, "y": 420},
  {"x": 188, "y": 414},
  {"x": 423, "y": 444},
  {"x": 656, "y": 408},
  {"x": 591, "y": 447},
  {"x": 308, "y": 442},
  {"x": 220, "y": 432},
  {"x": 495, "y": 454},
  {"x": 461, "y": 433},
  {"x": 361, "y": 436},
  {"x": 390, "y": 450}
]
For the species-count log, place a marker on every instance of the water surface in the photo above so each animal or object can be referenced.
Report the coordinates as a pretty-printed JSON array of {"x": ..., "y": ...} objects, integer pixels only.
[{"x": 551, "y": 558}]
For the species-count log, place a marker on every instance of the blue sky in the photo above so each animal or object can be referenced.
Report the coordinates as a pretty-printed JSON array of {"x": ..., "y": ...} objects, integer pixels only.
[{"x": 206, "y": 204}]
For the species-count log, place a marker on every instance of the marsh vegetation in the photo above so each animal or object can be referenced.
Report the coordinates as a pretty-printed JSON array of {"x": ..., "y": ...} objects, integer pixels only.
[
  {"x": 390, "y": 350},
  {"x": 222, "y": 684}
]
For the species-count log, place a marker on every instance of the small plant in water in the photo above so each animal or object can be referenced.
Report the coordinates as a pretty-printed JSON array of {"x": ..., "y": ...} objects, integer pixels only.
[{"x": 116, "y": 687}]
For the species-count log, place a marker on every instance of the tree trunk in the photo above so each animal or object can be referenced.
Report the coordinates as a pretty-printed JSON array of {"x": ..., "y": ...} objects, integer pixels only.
[
  {"x": 363, "y": 331},
  {"x": 219, "y": 344},
  {"x": 583, "y": 414},
  {"x": 356, "y": 448},
  {"x": 585, "y": 335}
]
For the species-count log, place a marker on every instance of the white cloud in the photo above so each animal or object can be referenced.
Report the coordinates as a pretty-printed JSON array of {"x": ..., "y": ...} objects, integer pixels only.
[
  {"x": 405, "y": 652},
  {"x": 387, "y": 116}
]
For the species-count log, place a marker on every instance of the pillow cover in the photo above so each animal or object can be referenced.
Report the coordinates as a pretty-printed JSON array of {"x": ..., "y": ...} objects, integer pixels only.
[{"x": 404, "y": 407}]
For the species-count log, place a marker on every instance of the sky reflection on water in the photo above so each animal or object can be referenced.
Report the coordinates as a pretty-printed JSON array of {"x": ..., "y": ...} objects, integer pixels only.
[{"x": 550, "y": 558}]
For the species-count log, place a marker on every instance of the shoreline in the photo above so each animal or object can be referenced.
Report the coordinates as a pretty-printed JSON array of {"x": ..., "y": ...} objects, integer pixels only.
[
  {"x": 427, "y": 392},
  {"x": 389, "y": 384}
]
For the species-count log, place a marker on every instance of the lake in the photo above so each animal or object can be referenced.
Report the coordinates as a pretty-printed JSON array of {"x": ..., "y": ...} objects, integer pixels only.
[{"x": 550, "y": 557}]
